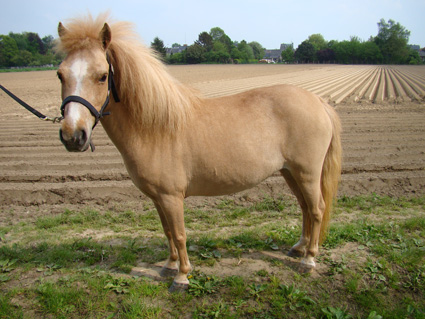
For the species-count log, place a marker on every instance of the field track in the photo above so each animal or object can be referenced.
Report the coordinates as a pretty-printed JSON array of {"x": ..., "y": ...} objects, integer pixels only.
[{"x": 382, "y": 111}]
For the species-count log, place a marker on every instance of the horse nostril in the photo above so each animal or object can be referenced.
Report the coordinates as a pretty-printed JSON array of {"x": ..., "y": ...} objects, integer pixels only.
[
  {"x": 73, "y": 141},
  {"x": 80, "y": 137}
]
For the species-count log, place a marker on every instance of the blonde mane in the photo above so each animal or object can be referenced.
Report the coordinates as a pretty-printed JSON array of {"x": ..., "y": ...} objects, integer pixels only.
[{"x": 156, "y": 101}]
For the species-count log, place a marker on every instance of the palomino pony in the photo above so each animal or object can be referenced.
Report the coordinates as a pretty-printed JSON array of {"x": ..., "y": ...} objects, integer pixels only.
[{"x": 176, "y": 143}]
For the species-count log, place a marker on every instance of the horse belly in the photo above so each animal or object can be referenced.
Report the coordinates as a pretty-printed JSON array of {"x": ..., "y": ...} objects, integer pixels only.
[{"x": 232, "y": 173}]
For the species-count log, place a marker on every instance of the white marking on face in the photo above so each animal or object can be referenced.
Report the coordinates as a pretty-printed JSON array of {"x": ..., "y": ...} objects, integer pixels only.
[{"x": 78, "y": 71}]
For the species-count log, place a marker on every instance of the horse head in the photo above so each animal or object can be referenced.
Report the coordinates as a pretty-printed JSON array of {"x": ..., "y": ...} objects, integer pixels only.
[{"x": 85, "y": 76}]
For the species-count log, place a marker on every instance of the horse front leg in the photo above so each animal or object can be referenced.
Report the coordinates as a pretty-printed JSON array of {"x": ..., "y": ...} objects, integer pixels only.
[
  {"x": 172, "y": 214},
  {"x": 171, "y": 267}
]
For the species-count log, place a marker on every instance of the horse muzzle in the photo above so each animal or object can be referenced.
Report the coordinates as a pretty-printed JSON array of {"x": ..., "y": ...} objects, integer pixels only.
[{"x": 75, "y": 141}]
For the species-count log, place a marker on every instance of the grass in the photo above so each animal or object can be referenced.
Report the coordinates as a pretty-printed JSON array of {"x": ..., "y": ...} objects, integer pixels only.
[
  {"x": 28, "y": 69},
  {"x": 77, "y": 264}
]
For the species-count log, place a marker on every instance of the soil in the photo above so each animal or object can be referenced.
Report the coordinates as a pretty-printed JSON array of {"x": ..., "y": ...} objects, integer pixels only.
[
  {"x": 381, "y": 108},
  {"x": 382, "y": 111}
]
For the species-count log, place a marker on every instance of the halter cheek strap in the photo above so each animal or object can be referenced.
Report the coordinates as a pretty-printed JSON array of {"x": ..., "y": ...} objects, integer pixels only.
[{"x": 97, "y": 114}]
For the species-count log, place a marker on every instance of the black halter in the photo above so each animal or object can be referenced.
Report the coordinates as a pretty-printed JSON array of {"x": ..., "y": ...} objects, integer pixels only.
[{"x": 97, "y": 115}]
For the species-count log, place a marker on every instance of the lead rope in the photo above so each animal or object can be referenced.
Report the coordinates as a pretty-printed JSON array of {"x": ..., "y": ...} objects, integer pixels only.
[
  {"x": 98, "y": 115},
  {"x": 31, "y": 109}
]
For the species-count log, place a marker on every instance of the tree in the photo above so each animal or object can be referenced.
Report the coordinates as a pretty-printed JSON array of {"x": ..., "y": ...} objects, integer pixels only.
[
  {"x": 24, "y": 58},
  {"x": 371, "y": 53},
  {"x": 205, "y": 40},
  {"x": 392, "y": 40},
  {"x": 8, "y": 50},
  {"x": 216, "y": 33},
  {"x": 342, "y": 51},
  {"x": 318, "y": 41},
  {"x": 20, "y": 39},
  {"x": 246, "y": 51},
  {"x": 288, "y": 54},
  {"x": 414, "y": 57},
  {"x": 220, "y": 53},
  {"x": 158, "y": 46},
  {"x": 227, "y": 43},
  {"x": 326, "y": 55},
  {"x": 305, "y": 52},
  {"x": 35, "y": 45},
  {"x": 195, "y": 54},
  {"x": 354, "y": 49},
  {"x": 48, "y": 42},
  {"x": 177, "y": 58},
  {"x": 257, "y": 49}
]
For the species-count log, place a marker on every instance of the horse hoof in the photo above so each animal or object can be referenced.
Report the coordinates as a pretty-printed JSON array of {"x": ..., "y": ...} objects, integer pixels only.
[
  {"x": 306, "y": 267},
  {"x": 295, "y": 253},
  {"x": 168, "y": 272},
  {"x": 178, "y": 287}
]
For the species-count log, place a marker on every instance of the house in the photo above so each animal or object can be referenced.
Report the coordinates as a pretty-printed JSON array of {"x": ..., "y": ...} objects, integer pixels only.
[
  {"x": 275, "y": 55},
  {"x": 420, "y": 51},
  {"x": 422, "y": 55},
  {"x": 176, "y": 49}
]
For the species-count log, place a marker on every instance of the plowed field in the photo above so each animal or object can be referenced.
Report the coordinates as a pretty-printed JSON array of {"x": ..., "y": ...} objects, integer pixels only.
[{"x": 382, "y": 111}]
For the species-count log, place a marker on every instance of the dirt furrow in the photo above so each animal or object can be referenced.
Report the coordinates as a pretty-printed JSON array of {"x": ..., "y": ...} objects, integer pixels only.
[
  {"x": 383, "y": 138},
  {"x": 417, "y": 89},
  {"x": 406, "y": 86}
]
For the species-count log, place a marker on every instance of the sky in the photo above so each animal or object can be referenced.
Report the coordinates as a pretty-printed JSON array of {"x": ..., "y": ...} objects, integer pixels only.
[{"x": 269, "y": 22}]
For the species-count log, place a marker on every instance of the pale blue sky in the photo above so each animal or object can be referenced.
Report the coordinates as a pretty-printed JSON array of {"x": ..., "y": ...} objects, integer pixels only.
[{"x": 270, "y": 22}]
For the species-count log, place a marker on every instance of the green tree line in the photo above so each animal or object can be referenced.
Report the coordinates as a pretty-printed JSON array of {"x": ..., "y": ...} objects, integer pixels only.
[
  {"x": 212, "y": 47},
  {"x": 389, "y": 46},
  {"x": 27, "y": 49}
]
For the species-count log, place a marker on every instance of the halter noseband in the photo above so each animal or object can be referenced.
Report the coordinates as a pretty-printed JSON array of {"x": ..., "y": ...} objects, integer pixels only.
[{"x": 97, "y": 115}]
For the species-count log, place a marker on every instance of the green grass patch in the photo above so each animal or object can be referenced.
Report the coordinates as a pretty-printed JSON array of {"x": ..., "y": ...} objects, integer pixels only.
[{"x": 77, "y": 264}]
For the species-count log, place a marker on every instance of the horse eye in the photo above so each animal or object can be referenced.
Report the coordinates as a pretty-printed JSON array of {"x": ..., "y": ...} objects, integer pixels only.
[{"x": 103, "y": 78}]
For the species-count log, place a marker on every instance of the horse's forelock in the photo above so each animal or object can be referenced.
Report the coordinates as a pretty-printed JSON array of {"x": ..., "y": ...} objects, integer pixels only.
[{"x": 81, "y": 33}]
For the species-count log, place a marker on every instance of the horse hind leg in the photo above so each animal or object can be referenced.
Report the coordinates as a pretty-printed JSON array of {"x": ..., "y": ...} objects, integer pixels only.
[
  {"x": 299, "y": 249},
  {"x": 308, "y": 192}
]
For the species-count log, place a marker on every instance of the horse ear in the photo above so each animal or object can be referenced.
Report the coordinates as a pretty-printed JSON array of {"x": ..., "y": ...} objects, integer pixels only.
[
  {"x": 61, "y": 30},
  {"x": 105, "y": 36}
]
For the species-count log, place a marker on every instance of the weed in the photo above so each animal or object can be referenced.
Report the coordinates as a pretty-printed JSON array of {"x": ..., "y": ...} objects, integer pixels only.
[
  {"x": 236, "y": 285},
  {"x": 201, "y": 284},
  {"x": 374, "y": 315},
  {"x": 7, "y": 265},
  {"x": 49, "y": 269},
  {"x": 255, "y": 290},
  {"x": 271, "y": 244},
  {"x": 293, "y": 297},
  {"x": 335, "y": 313},
  {"x": 216, "y": 310},
  {"x": 336, "y": 267},
  {"x": 375, "y": 271},
  {"x": 118, "y": 284}
]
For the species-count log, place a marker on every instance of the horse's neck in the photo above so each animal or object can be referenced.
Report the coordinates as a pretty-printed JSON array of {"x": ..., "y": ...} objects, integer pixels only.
[{"x": 120, "y": 127}]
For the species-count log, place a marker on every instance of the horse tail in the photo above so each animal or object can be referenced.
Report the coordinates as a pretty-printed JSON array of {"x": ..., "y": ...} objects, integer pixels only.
[{"x": 331, "y": 171}]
